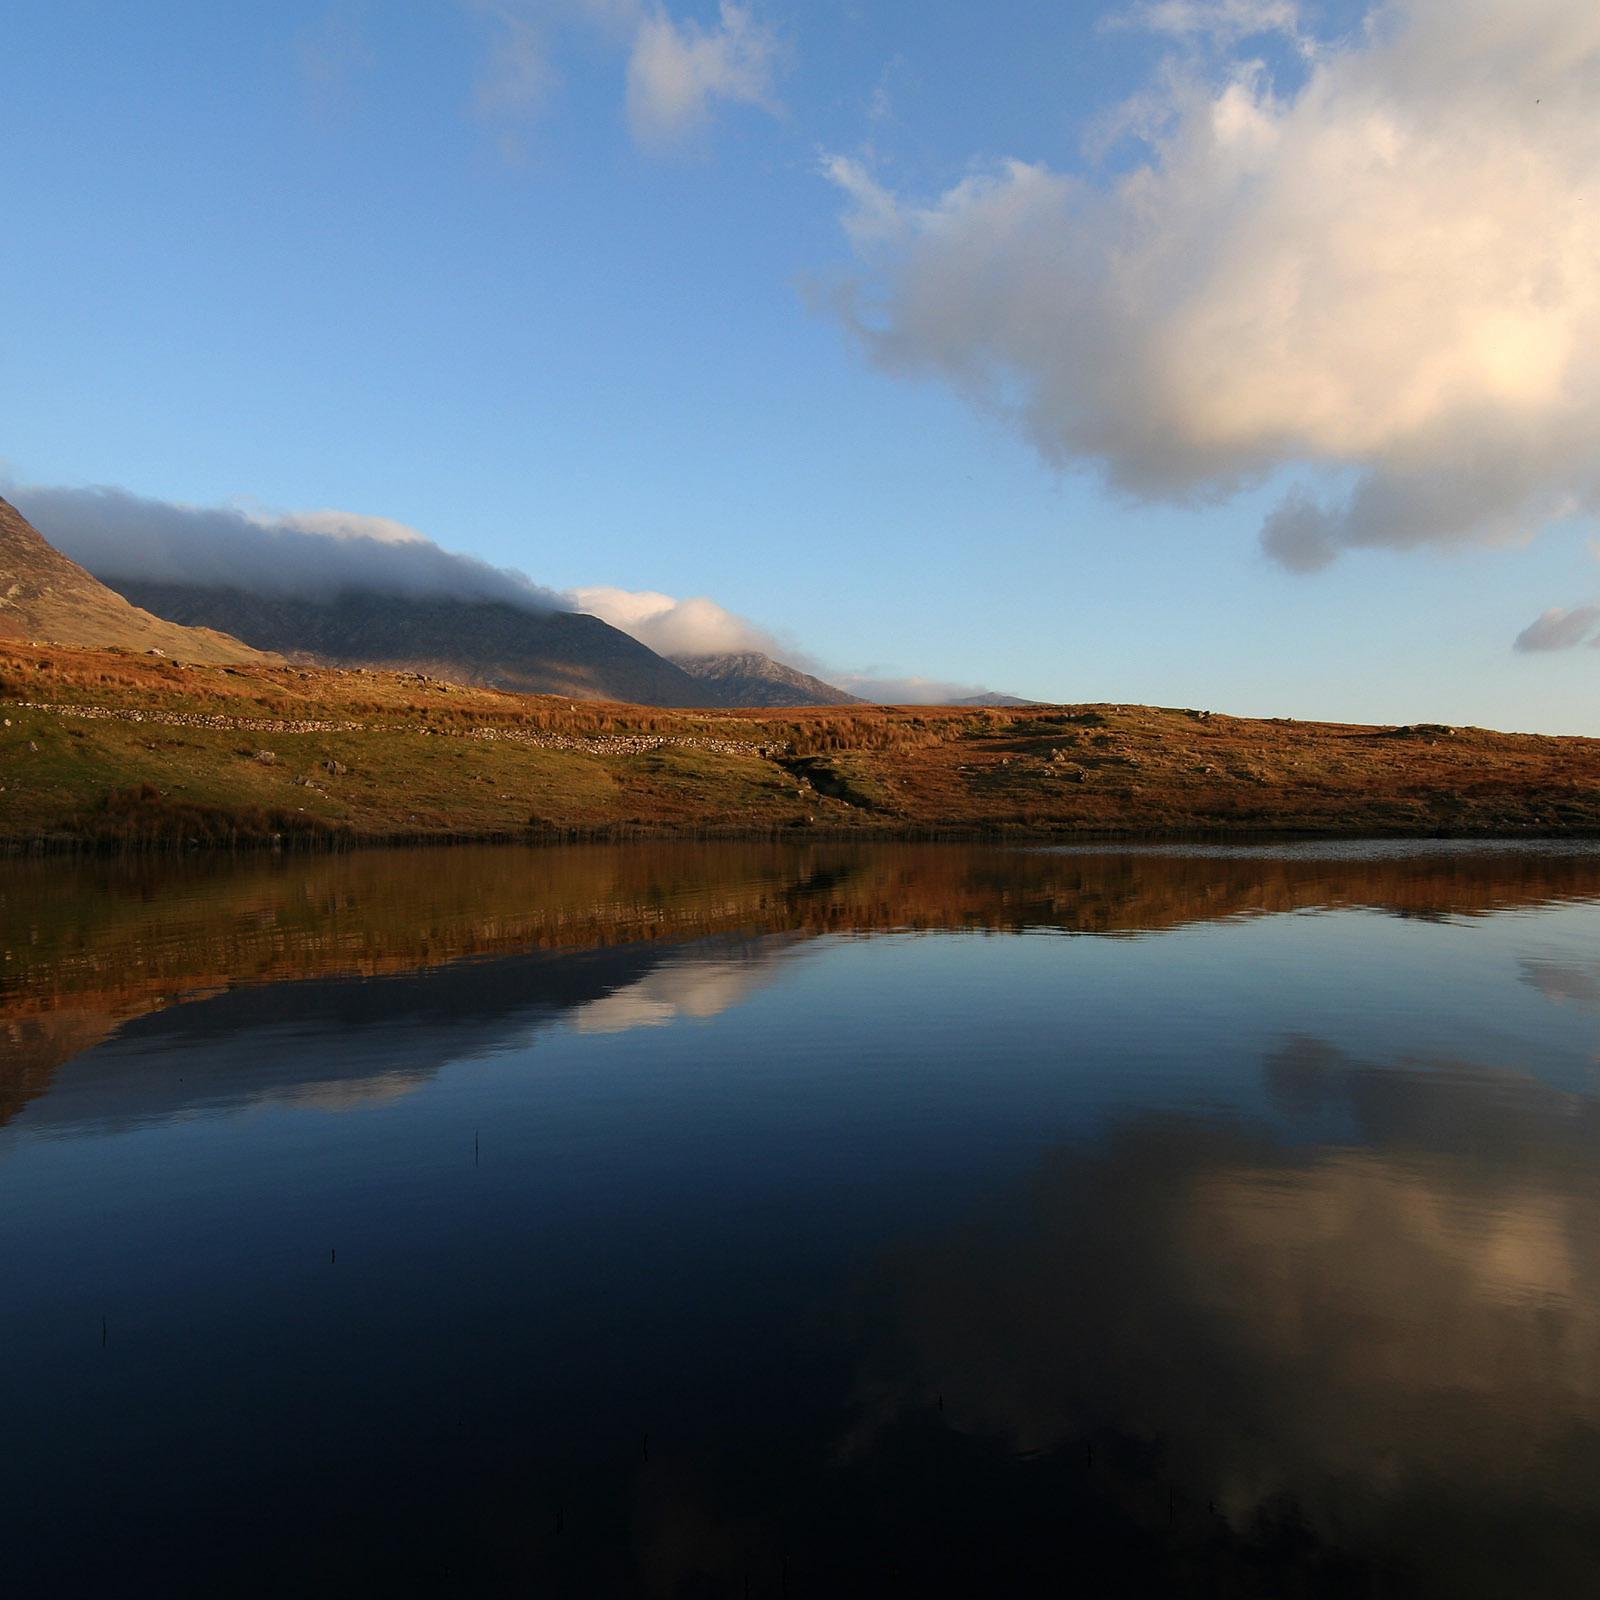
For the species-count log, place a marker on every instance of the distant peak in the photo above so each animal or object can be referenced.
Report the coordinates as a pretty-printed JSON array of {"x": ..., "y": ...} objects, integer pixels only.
[{"x": 753, "y": 678}]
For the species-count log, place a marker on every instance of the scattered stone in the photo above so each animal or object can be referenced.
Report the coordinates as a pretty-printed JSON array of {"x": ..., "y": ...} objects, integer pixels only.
[
  {"x": 267, "y": 758},
  {"x": 605, "y": 744}
]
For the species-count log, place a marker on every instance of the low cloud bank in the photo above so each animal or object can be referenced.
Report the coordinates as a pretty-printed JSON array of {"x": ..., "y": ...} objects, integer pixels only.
[
  {"x": 311, "y": 555},
  {"x": 673, "y": 627},
  {"x": 124, "y": 538},
  {"x": 700, "y": 627},
  {"x": 912, "y": 691},
  {"x": 1386, "y": 275}
]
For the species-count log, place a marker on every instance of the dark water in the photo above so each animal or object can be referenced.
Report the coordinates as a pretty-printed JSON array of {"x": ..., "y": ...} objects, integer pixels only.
[{"x": 812, "y": 1222}]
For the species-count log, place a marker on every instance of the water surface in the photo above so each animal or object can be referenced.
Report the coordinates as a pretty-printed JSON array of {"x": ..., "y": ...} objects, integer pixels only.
[{"x": 827, "y": 1220}]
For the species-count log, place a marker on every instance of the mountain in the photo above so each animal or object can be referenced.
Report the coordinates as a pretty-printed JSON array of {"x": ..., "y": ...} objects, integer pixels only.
[
  {"x": 484, "y": 642},
  {"x": 45, "y": 596},
  {"x": 750, "y": 678},
  {"x": 990, "y": 698}
]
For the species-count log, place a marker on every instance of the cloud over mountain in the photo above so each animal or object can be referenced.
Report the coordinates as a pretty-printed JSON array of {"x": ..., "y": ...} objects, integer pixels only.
[
  {"x": 312, "y": 554},
  {"x": 1383, "y": 275},
  {"x": 701, "y": 627},
  {"x": 672, "y": 627},
  {"x": 906, "y": 691},
  {"x": 133, "y": 542}
]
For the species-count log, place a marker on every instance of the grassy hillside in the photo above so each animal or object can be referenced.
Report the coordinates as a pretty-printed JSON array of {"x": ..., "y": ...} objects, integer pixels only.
[{"x": 111, "y": 747}]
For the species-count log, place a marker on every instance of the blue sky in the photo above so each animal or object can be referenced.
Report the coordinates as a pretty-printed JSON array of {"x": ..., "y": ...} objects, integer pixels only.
[{"x": 449, "y": 264}]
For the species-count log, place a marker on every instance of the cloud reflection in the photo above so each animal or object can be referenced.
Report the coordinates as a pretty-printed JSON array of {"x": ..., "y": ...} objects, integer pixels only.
[
  {"x": 1399, "y": 1339},
  {"x": 690, "y": 987}
]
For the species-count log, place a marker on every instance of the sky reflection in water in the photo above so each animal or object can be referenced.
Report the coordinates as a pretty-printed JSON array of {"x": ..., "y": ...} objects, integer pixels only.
[{"x": 906, "y": 1219}]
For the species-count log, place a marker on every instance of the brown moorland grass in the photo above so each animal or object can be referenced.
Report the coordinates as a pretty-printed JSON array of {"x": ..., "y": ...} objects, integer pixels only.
[{"x": 113, "y": 748}]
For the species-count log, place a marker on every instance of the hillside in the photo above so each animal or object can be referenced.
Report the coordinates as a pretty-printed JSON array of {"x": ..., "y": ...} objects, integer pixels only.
[
  {"x": 752, "y": 678},
  {"x": 486, "y": 643},
  {"x": 103, "y": 747},
  {"x": 45, "y": 596}
]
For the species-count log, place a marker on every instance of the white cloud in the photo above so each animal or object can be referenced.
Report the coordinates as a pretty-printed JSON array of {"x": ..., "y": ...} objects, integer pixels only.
[
  {"x": 343, "y": 525},
  {"x": 678, "y": 70},
  {"x": 517, "y": 74},
  {"x": 695, "y": 988},
  {"x": 1388, "y": 278},
  {"x": 875, "y": 214},
  {"x": 672, "y": 627},
  {"x": 1220, "y": 21},
  {"x": 701, "y": 627},
  {"x": 1559, "y": 629},
  {"x": 905, "y": 691}
]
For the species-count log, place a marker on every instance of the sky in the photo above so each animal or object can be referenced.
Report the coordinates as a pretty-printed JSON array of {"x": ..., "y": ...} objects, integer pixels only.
[{"x": 1221, "y": 353}]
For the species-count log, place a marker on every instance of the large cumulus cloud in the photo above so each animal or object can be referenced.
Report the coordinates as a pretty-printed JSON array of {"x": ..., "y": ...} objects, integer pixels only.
[{"x": 1385, "y": 275}]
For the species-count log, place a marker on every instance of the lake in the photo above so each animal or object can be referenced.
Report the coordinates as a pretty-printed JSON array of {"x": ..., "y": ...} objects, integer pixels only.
[{"x": 726, "y": 1220}]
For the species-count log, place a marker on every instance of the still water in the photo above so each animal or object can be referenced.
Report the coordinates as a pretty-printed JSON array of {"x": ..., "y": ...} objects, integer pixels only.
[{"x": 815, "y": 1221}]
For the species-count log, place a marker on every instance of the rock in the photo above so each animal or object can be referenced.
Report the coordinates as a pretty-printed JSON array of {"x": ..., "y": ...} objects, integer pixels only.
[
  {"x": 336, "y": 768},
  {"x": 267, "y": 758}
]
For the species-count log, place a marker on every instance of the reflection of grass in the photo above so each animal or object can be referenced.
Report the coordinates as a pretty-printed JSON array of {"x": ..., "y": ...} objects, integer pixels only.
[
  {"x": 407, "y": 757},
  {"x": 85, "y": 943}
]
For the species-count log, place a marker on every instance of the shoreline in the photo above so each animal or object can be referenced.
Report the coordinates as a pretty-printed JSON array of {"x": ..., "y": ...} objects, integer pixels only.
[{"x": 335, "y": 843}]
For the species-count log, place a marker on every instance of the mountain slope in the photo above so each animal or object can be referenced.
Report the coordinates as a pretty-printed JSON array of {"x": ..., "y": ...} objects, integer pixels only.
[
  {"x": 750, "y": 678},
  {"x": 990, "y": 698},
  {"x": 45, "y": 596},
  {"x": 483, "y": 642}
]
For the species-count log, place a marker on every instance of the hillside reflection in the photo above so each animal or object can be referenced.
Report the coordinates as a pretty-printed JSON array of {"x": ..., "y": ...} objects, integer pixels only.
[
  {"x": 335, "y": 1044},
  {"x": 90, "y": 946}
]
